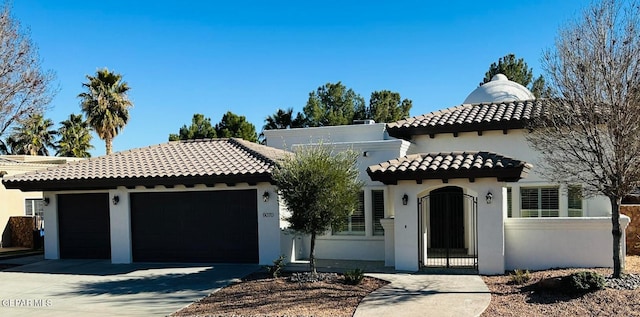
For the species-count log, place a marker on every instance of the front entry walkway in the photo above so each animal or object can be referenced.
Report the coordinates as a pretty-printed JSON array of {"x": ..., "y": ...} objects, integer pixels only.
[{"x": 426, "y": 295}]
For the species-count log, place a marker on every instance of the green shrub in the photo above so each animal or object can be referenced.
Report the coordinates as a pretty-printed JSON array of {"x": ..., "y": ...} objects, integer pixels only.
[
  {"x": 353, "y": 277},
  {"x": 520, "y": 277},
  {"x": 277, "y": 266},
  {"x": 586, "y": 281}
]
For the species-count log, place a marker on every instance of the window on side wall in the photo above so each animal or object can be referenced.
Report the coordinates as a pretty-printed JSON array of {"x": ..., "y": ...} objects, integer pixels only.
[
  {"x": 509, "y": 201},
  {"x": 377, "y": 200},
  {"x": 574, "y": 193},
  {"x": 355, "y": 222},
  {"x": 33, "y": 207},
  {"x": 539, "y": 202}
]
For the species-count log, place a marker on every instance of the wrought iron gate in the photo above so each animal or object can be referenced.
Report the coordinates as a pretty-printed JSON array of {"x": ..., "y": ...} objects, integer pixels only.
[{"x": 448, "y": 236}]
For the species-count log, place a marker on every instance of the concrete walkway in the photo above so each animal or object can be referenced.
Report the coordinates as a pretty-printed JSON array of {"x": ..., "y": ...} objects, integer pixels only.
[{"x": 426, "y": 295}]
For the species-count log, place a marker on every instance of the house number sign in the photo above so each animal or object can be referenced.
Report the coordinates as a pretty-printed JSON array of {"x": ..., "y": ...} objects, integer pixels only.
[{"x": 268, "y": 214}]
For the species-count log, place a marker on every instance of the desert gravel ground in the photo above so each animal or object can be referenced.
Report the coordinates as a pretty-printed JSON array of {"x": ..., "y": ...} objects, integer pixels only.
[
  {"x": 259, "y": 295},
  {"x": 526, "y": 300}
]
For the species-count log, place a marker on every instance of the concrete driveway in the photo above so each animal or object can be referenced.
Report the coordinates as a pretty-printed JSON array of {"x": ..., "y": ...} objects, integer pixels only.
[{"x": 99, "y": 288}]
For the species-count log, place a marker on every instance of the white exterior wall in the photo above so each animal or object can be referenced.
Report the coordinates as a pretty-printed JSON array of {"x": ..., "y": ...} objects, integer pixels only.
[
  {"x": 120, "y": 226},
  {"x": 286, "y": 138},
  {"x": 120, "y": 220},
  {"x": 370, "y": 141},
  {"x": 50, "y": 214},
  {"x": 514, "y": 145},
  {"x": 542, "y": 243},
  {"x": 490, "y": 224},
  {"x": 268, "y": 224}
]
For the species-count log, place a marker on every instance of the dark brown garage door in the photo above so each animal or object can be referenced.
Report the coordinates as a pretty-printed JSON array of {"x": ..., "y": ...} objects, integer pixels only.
[
  {"x": 211, "y": 226},
  {"x": 83, "y": 226}
]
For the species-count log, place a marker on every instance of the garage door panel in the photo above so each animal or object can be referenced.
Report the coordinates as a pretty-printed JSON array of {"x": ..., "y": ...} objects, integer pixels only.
[
  {"x": 83, "y": 226},
  {"x": 212, "y": 226}
]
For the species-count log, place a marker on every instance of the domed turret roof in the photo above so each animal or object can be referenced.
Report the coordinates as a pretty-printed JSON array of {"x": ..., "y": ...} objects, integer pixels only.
[{"x": 499, "y": 89}]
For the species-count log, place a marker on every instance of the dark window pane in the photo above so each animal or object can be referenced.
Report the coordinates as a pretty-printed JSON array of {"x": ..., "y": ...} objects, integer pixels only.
[{"x": 377, "y": 198}]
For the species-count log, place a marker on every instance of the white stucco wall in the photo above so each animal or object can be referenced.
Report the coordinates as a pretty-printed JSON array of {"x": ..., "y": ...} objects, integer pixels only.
[
  {"x": 514, "y": 145},
  {"x": 50, "y": 214},
  {"x": 490, "y": 222},
  {"x": 372, "y": 144},
  {"x": 286, "y": 138},
  {"x": 542, "y": 243},
  {"x": 268, "y": 224},
  {"x": 120, "y": 226}
]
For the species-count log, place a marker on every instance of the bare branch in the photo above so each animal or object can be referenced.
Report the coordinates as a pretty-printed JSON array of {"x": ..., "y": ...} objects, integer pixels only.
[{"x": 25, "y": 88}]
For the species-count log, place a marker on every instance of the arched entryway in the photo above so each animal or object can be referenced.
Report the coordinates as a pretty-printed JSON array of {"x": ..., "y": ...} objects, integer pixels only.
[{"x": 448, "y": 220}]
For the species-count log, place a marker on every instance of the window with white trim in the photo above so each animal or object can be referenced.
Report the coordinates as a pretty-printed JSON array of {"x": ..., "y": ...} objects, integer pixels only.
[
  {"x": 355, "y": 224},
  {"x": 574, "y": 193},
  {"x": 377, "y": 207},
  {"x": 33, "y": 207},
  {"x": 539, "y": 202}
]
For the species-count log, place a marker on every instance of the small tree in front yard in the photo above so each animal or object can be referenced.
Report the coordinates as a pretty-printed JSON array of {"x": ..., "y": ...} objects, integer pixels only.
[
  {"x": 320, "y": 188},
  {"x": 589, "y": 134}
]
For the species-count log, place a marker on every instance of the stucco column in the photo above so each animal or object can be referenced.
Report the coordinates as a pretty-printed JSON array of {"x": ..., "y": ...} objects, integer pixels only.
[
  {"x": 388, "y": 224},
  {"x": 269, "y": 234},
  {"x": 120, "y": 226},
  {"x": 491, "y": 218},
  {"x": 50, "y": 213},
  {"x": 406, "y": 227}
]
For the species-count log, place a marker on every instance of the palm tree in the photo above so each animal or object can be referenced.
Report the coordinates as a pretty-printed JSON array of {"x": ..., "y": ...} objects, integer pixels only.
[
  {"x": 106, "y": 104},
  {"x": 282, "y": 119},
  {"x": 75, "y": 137},
  {"x": 32, "y": 137}
]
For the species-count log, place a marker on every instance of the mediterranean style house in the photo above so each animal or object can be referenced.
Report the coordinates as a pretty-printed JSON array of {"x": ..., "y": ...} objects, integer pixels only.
[
  {"x": 459, "y": 188},
  {"x": 455, "y": 188}
]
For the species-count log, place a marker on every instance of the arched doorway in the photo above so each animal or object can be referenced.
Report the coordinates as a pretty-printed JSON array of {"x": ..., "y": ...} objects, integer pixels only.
[{"x": 448, "y": 220}]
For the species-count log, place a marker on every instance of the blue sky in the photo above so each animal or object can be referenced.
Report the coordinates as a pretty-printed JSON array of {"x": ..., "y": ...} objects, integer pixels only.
[{"x": 251, "y": 58}]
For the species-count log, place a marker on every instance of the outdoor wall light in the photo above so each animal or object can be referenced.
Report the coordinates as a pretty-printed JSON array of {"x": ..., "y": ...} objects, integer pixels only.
[
  {"x": 489, "y": 197},
  {"x": 116, "y": 199},
  {"x": 265, "y": 196},
  {"x": 365, "y": 153},
  {"x": 405, "y": 199},
  {"x": 46, "y": 201}
]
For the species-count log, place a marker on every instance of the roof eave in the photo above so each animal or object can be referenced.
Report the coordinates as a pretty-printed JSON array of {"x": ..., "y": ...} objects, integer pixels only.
[
  {"x": 407, "y": 132},
  {"x": 149, "y": 182},
  {"x": 512, "y": 174}
]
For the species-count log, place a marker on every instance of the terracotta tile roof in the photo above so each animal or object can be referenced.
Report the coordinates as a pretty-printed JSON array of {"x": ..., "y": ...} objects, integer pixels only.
[
  {"x": 188, "y": 162},
  {"x": 449, "y": 165},
  {"x": 469, "y": 117}
]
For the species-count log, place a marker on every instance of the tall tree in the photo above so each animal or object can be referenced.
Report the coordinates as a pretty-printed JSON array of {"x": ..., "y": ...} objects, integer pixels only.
[
  {"x": 75, "y": 137},
  {"x": 333, "y": 104},
  {"x": 385, "y": 106},
  {"x": 200, "y": 128},
  {"x": 282, "y": 119},
  {"x": 25, "y": 88},
  {"x": 235, "y": 126},
  {"x": 106, "y": 105},
  {"x": 517, "y": 70},
  {"x": 315, "y": 207},
  {"x": 33, "y": 136},
  {"x": 591, "y": 134}
]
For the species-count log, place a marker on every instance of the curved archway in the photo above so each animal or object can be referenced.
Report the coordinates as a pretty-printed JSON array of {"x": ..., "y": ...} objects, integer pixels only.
[{"x": 448, "y": 220}]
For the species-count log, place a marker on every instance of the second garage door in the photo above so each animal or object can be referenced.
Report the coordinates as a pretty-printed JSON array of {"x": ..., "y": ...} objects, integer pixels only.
[{"x": 198, "y": 226}]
